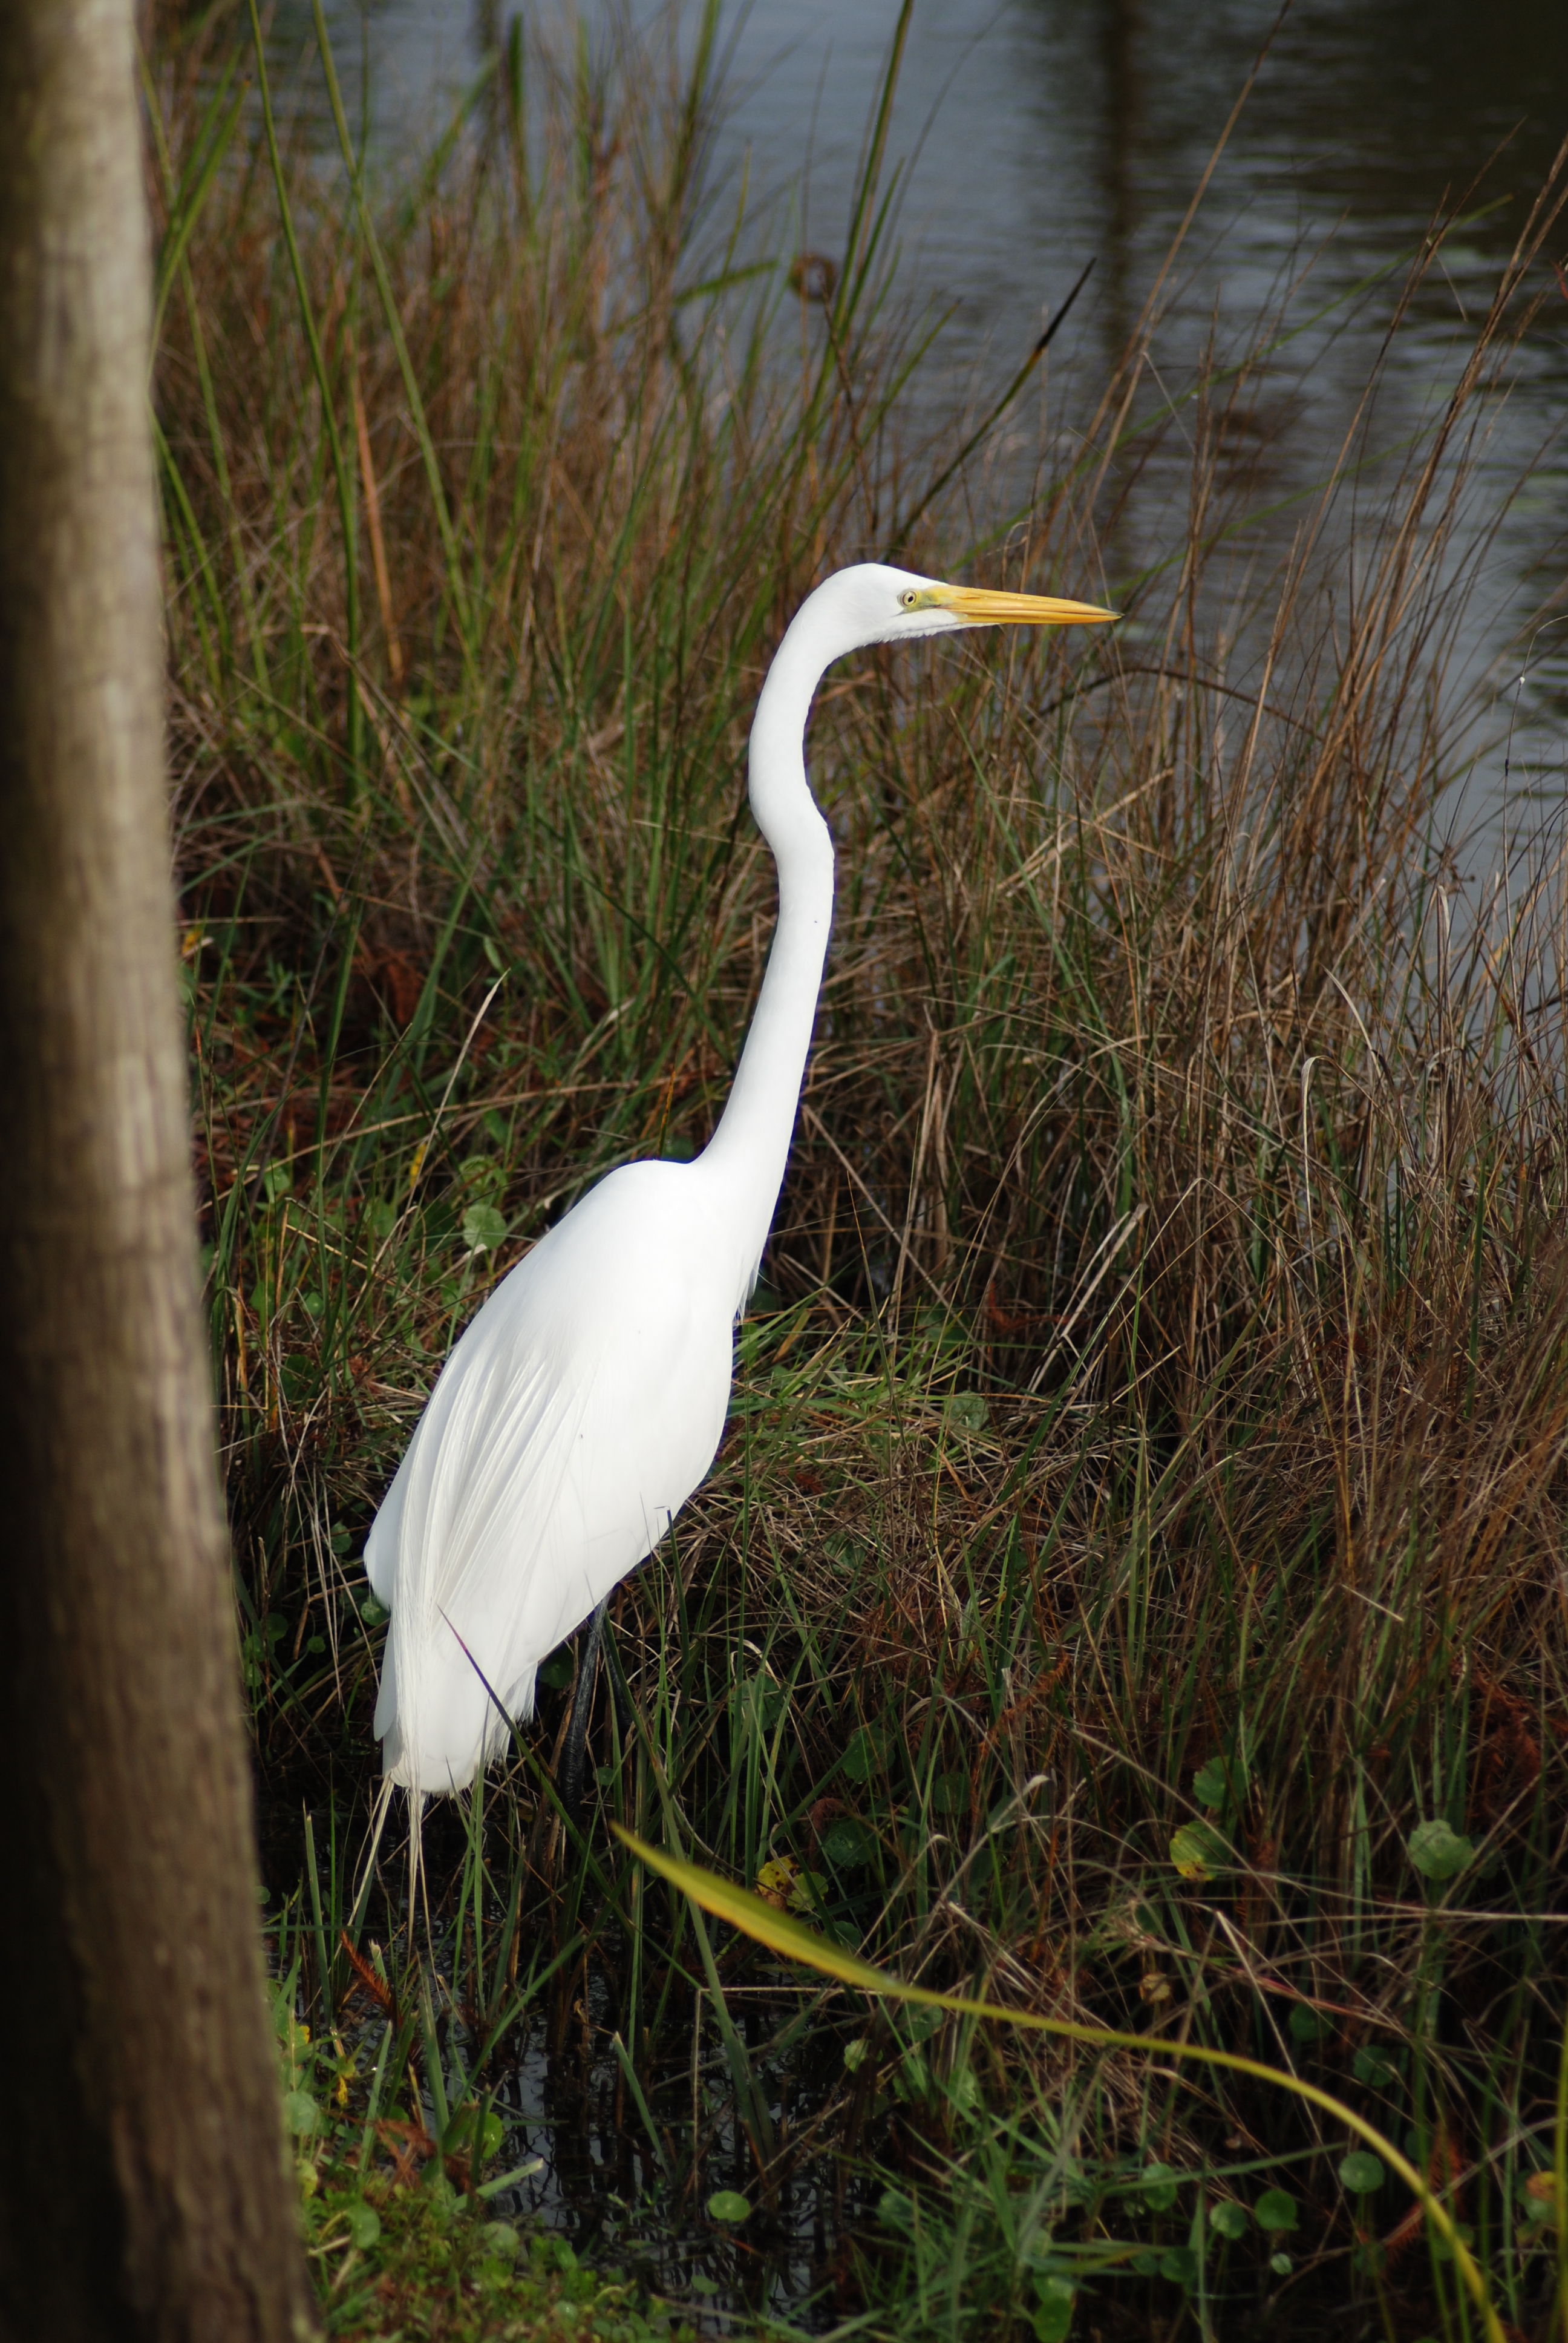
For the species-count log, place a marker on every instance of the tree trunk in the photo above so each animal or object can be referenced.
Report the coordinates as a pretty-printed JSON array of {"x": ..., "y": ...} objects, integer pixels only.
[{"x": 144, "y": 2181}]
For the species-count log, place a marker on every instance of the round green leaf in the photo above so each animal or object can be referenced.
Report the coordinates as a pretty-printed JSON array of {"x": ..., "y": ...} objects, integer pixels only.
[
  {"x": 1210, "y": 1787},
  {"x": 967, "y": 1411},
  {"x": 1198, "y": 1851},
  {"x": 1051, "y": 2286},
  {"x": 914, "y": 2079},
  {"x": 951, "y": 1794},
  {"x": 483, "y": 1229},
  {"x": 1275, "y": 2210},
  {"x": 300, "y": 2113},
  {"x": 727, "y": 2205},
  {"x": 500, "y": 2237},
  {"x": 1308, "y": 2025},
  {"x": 846, "y": 1843},
  {"x": 363, "y": 2223},
  {"x": 964, "y": 2090},
  {"x": 1280, "y": 2264},
  {"x": 1179, "y": 2264},
  {"x": 865, "y": 1753},
  {"x": 1361, "y": 2173},
  {"x": 1437, "y": 1852},
  {"x": 1228, "y": 2219},
  {"x": 1159, "y": 2185},
  {"x": 1370, "y": 2067},
  {"x": 1052, "y": 2320}
]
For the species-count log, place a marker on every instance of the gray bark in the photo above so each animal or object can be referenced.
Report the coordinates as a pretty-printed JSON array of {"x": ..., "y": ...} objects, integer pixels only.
[{"x": 143, "y": 2180}]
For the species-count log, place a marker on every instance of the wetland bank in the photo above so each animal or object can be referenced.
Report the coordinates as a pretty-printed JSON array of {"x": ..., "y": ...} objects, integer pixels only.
[{"x": 1129, "y": 1588}]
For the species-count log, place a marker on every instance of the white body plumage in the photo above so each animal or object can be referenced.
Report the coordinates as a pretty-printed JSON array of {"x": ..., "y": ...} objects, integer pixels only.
[
  {"x": 587, "y": 1398},
  {"x": 576, "y": 1416}
]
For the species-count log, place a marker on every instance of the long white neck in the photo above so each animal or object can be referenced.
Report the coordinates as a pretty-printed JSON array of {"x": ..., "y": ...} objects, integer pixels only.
[{"x": 747, "y": 1152}]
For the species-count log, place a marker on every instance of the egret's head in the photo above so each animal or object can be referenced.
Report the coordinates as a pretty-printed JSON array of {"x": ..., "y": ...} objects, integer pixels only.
[{"x": 878, "y": 604}]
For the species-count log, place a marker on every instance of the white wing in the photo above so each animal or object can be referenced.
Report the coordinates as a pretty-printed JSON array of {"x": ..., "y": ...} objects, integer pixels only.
[{"x": 579, "y": 1412}]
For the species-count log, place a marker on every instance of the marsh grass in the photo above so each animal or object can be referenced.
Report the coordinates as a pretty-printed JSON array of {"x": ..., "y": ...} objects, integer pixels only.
[{"x": 1131, "y": 1581}]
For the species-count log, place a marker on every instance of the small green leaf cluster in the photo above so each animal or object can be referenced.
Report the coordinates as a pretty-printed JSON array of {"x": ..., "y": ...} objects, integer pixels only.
[
  {"x": 392, "y": 2255},
  {"x": 1202, "y": 1849},
  {"x": 420, "y": 2260},
  {"x": 1436, "y": 1850}
]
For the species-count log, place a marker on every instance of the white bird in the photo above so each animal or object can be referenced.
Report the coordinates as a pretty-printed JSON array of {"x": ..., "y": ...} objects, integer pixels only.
[{"x": 587, "y": 1398}]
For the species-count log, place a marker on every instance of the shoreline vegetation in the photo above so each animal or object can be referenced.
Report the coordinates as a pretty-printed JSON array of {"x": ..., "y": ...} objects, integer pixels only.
[{"x": 1130, "y": 1588}]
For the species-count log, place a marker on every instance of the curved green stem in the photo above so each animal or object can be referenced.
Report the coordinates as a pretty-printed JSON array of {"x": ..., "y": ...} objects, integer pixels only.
[{"x": 753, "y": 1918}]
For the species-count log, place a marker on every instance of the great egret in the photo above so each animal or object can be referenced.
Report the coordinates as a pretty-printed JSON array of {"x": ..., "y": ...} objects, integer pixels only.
[{"x": 587, "y": 1398}]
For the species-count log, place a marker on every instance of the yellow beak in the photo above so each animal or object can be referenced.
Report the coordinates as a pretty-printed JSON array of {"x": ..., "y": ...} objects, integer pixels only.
[{"x": 982, "y": 608}]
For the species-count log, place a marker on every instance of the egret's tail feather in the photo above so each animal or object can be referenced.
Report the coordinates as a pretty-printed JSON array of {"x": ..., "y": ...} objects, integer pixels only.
[
  {"x": 462, "y": 1732},
  {"x": 378, "y": 1814},
  {"x": 417, "y": 1881},
  {"x": 497, "y": 1703}
]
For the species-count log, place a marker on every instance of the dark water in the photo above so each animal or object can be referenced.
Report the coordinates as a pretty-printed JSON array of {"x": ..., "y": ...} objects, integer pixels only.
[
  {"x": 601, "y": 2186},
  {"x": 1035, "y": 134}
]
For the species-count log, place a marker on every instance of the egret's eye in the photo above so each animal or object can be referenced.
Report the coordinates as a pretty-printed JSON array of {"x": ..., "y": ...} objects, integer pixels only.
[{"x": 909, "y": 598}]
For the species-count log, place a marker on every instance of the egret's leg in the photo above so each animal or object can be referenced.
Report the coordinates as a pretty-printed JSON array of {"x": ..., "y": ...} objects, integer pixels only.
[
  {"x": 571, "y": 1782},
  {"x": 619, "y": 1692}
]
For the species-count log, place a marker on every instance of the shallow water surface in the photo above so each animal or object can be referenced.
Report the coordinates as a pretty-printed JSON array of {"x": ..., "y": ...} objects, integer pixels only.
[{"x": 1033, "y": 135}]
